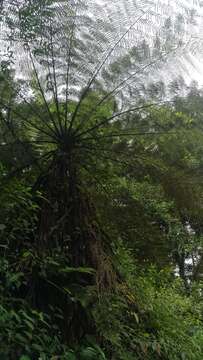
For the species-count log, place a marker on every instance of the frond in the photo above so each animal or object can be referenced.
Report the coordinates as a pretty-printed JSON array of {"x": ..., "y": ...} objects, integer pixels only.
[{"x": 70, "y": 49}]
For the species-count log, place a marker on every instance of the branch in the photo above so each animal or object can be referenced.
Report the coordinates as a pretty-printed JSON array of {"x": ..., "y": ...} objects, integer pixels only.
[
  {"x": 32, "y": 108},
  {"x": 26, "y": 120},
  {"x": 42, "y": 92},
  {"x": 55, "y": 82},
  {"x": 122, "y": 85},
  {"x": 106, "y": 121},
  {"x": 131, "y": 134},
  {"x": 86, "y": 90},
  {"x": 38, "y": 115},
  {"x": 68, "y": 70}
]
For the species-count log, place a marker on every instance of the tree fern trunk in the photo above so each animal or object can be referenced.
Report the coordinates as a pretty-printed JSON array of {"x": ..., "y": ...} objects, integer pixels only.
[{"x": 68, "y": 220}]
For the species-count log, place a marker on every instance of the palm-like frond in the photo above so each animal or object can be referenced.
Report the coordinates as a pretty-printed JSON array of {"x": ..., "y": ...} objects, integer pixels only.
[{"x": 65, "y": 51}]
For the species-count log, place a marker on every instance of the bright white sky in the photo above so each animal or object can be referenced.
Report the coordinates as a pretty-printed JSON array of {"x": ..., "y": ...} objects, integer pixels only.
[
  {"x": 192, "y": 64},
  {"x": 124, "y": 12}
]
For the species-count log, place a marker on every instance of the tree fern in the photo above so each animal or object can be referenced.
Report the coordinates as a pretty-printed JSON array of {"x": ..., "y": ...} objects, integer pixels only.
[
  {"x": 78, "y": 69},
  {"x": 83, "y": 67}
]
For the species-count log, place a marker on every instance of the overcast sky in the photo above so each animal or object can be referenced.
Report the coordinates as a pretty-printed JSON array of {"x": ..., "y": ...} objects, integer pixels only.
[
  {"x": 124, "y": 12},
  {"x": 192, "y": 63}
]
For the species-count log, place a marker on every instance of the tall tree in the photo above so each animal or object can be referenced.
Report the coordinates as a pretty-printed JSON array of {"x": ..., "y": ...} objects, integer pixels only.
[{"x": 75, "y": 80}]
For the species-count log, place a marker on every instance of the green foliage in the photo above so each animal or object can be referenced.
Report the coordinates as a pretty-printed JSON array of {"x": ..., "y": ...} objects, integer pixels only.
[
  {"x": 23, "y": 330},
  {"x": 143, "y": 209},
  {"x": 152, "y": 319},
  {"x": 27, "y": 333},
  {"x": 101, "y": 202}
]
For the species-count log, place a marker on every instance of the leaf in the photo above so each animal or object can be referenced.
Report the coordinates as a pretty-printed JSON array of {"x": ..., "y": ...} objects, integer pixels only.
[
  {"x": 183, "y": 356},
  {"x": 27, "y": 254},
  {"x": 71, "y": 356},
  {"x": 37, "y": 347},
  {"x": 67, "y": 291},
  {"x": 144, "y": 347},
  {"x": 2, "y": 227},
  {"x": 135, "y": 316},
  {"x": 21, "y": 339},
  {"x": 29, "y": 324},
  {"x": 88, "y": 354},
  {"x": 25, "y": 357},
  {"x": 29, "y": 318},
  {"x": 100, "y": 352}
]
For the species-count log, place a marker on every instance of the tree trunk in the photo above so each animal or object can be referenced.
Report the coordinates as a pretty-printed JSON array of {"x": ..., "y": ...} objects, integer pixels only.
[{"x": 68, "y": 221}]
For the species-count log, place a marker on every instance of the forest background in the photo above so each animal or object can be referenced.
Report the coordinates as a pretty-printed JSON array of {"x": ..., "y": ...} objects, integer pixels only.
[{"x": 101, "y": 155}]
